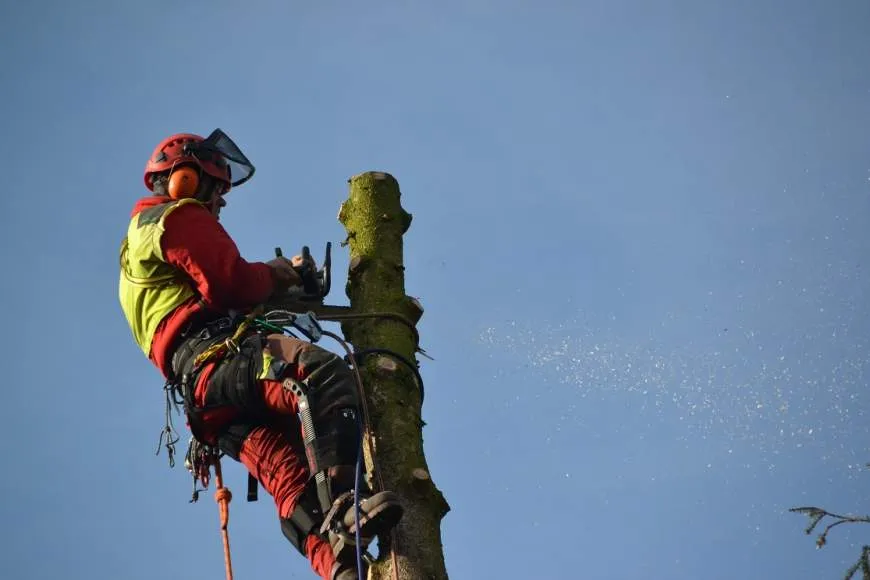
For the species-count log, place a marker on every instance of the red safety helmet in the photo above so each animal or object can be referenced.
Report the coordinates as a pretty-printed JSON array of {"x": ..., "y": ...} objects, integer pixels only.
[{"x": 216, "y": 155}]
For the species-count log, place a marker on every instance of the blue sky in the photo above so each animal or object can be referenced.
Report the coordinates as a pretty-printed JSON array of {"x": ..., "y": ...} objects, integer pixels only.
[{"x": 640, "y": 234}]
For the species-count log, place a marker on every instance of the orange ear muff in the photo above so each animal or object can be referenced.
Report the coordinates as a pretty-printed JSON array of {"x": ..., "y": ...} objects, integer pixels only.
[{"x": 183, "y": 182}]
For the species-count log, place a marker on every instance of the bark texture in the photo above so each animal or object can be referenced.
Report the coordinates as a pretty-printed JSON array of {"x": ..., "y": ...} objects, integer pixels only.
[{"x": 375, "y": 222}]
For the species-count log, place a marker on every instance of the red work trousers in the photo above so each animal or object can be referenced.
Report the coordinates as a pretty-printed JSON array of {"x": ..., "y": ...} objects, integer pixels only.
[{"x": 270, "y": 455}]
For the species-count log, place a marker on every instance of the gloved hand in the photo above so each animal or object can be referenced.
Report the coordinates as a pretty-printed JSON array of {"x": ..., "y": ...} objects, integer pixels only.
[
  {"x": 284, "y": 274},
  {"x": 307, "y": 270},
  {"x": 298, "y": 262}
]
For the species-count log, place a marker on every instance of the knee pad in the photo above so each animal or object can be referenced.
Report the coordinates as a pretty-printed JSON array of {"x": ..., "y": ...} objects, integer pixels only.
[{"x": 328, "y": 379}]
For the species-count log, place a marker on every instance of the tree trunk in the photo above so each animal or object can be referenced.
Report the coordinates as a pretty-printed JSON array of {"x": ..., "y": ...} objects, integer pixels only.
[{"x": 375, "y": 222}]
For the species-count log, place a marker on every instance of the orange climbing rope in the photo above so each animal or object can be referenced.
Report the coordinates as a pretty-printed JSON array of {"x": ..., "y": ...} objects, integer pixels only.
[{"x": 223, "y": 496}]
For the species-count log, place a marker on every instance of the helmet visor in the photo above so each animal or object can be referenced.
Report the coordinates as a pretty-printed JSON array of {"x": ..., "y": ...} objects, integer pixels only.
[{"x": 219, "y": 149}]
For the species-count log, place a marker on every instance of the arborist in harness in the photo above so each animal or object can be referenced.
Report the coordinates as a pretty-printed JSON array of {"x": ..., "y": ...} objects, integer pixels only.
[{"x": 188, "y": 296}]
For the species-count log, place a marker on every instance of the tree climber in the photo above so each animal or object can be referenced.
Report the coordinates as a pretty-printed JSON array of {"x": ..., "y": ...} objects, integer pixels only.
[{"x": 185, "y": 290}]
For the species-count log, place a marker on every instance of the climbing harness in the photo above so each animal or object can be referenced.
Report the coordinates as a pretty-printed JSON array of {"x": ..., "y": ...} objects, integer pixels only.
[{"x": 231, "y": 344}]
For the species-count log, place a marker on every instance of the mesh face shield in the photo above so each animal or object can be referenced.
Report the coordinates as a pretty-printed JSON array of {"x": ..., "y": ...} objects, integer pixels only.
[{"x": 220, "y": 150}]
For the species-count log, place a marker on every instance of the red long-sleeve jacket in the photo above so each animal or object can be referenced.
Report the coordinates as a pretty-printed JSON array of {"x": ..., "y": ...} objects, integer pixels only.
[{"x": 195, "y": 242}]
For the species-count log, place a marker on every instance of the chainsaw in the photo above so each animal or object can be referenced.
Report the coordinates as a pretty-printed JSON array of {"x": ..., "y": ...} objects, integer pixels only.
[{"x": 315, "y": 283}]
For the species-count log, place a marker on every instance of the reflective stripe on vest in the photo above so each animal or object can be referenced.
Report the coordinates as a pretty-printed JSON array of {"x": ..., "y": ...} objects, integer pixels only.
[{"x": 149, "y": 288}]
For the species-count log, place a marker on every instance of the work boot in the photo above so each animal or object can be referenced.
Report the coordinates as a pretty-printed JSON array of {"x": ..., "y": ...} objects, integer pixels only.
[{"x": 378, "y": 513}]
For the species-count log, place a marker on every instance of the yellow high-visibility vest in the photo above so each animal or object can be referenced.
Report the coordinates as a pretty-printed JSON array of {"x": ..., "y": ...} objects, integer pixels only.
[{"x": 150, "y": 288}]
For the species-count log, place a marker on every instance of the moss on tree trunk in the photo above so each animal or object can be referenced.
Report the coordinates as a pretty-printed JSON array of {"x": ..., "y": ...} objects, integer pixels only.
[{"x": 375, "y": 222}]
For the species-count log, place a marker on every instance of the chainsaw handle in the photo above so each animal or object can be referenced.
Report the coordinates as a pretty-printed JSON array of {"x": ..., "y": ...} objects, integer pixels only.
[
  {"x": 308, "y": 273},
  {"x": 314, "y": 283}
]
